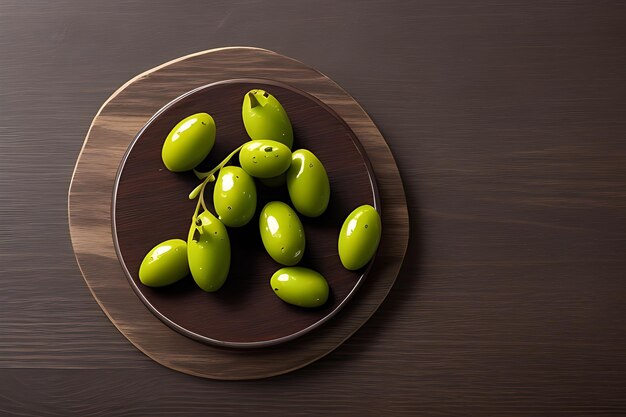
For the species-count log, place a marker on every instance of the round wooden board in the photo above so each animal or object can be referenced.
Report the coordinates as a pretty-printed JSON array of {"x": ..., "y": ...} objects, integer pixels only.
[
  {"x": 250, "y": 314},
  {"x": 111, "y": 132}
]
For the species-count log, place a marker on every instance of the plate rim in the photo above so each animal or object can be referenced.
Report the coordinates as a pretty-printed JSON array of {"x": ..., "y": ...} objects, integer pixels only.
[{"x": 205, "y": 339}]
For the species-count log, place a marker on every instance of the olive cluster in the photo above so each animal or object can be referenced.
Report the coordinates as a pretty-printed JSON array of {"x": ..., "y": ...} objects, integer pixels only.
[{"x": 268, "y": 157}]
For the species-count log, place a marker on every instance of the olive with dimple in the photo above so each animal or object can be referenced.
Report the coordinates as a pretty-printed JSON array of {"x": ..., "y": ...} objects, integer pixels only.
[
  {"x": 359, "y": 237},
  {"x": 307, "y": 183},
  {"x": 264, "y": 158},
  {"x": 165, "y": 264},
  {"x": 282, "y": 233},
  {"x": 234, "y": 196},
  {"x": 299, "y": 286},
  {"x": 208, "y": 252},
  {"x": 264, "y": 118},
  {"x": 189, "y": 142}
]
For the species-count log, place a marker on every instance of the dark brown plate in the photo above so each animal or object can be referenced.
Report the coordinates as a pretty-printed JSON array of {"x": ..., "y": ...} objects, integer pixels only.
[{"x": 150, "y": 205}]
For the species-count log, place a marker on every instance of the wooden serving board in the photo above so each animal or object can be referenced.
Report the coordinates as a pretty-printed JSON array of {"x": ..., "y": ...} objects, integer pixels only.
[
  {"x": 151, "y": 205},
  {"x": 113, "y": 129}
]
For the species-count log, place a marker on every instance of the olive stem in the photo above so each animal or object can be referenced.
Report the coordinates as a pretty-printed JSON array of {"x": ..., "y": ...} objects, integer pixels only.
[
  {"x": 203, "y": 175},
  {"x": 195, "y": 213},
  {"x": 200, "y": 201},
  {"x": 207, "y": 177},
  {"x": 195, "y": 192}
]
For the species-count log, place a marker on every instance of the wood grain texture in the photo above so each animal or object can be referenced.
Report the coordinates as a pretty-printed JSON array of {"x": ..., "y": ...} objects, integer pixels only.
[
  {"x": 507, "y": 122},
  {"x": 91, "y": 190},
  {"x": 151, "y": 205}
]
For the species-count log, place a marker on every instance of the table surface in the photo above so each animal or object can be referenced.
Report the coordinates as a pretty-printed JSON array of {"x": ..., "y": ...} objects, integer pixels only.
[{"x": 508, "y": 123}]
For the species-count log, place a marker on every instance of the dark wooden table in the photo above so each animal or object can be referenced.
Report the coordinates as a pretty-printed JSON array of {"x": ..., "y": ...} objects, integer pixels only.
[{"x": 508, "y": 122}]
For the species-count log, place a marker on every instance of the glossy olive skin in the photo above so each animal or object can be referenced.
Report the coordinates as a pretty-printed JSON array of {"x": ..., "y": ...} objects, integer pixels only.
[
  {"x": 208, "y": 252},
  {"x": 234, "y": 196},
  {"x": 307, "y": 183},
  {"x": 264, "y": 118},
  {"x": 282, "y": 233},
  {"x": 359, "y": 237},
  {"x": 165, "y": 264},
  {"x": 299, "y": 286},
  {"x": 189, "y": 142},
  {"x": 265, "y": 158}
]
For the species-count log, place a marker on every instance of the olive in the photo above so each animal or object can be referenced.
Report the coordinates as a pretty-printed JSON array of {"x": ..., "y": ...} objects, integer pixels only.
[
  {"x": 208, "y": 252},
  {"x": 282, "y": 233},
  {"x": 189, "y": 142},
  {"x": 265, "y": 158},
  {"x": 264, "y": 118},
  {"x": 299, "y": 286},
  {"x": 307, "y": 183},
  {"x": 359, "y": 237},
  {"x": 165, "y": 264},
  {"x": 234, "y": 196}
]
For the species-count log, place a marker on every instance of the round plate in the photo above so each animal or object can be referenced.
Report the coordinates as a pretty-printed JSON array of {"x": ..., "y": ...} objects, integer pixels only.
[{"x": 150, "y": 205}]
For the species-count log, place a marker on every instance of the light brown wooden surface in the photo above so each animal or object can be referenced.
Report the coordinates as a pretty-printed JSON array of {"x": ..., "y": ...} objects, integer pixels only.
[{"x": 113, "y": 129}]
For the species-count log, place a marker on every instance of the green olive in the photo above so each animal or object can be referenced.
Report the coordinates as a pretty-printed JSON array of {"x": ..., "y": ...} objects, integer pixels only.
[
  {"x": 308, "y": 185},
  {"x": 234, "y": 196},
  {"x": 208, "y": 252},
  {"x": 189, "y": 142},
  {"x": 265, "y": 158},
  {"x": 264, "y": 118},
  {"x": 282, "y": 233},
  {"x": 359, "y": 237},
  {"x": 165, "y": 264},
  {"x": 299, "y": 286}
]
